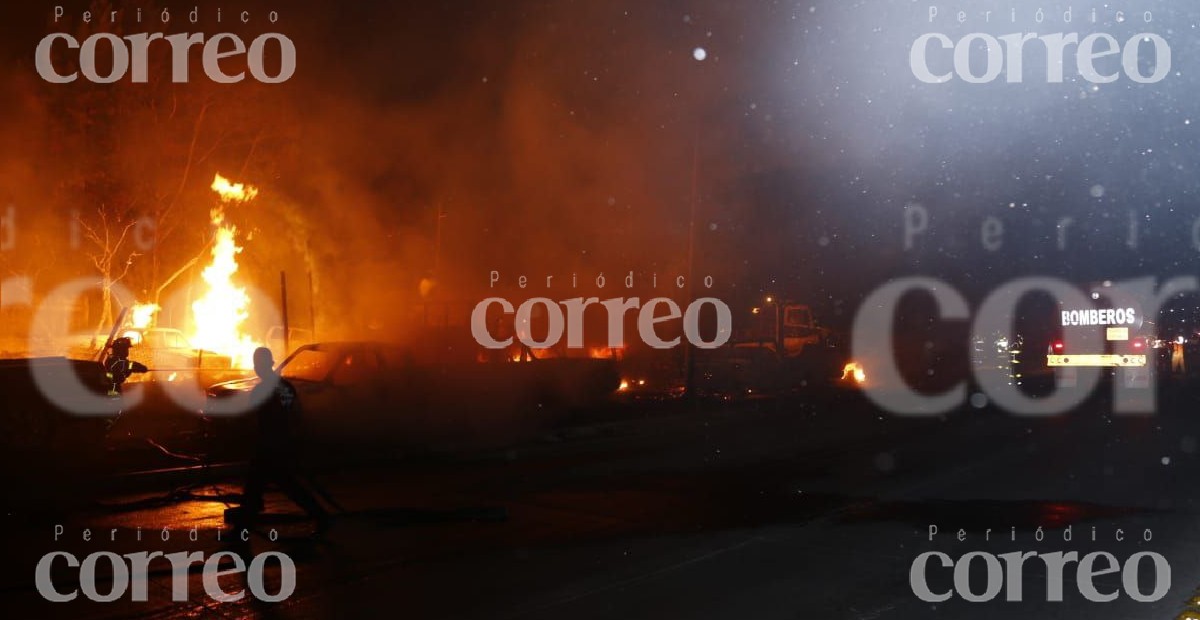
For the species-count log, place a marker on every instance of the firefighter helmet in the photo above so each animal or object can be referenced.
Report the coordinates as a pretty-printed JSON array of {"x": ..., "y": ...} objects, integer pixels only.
[{"x": 120, "y": 347}]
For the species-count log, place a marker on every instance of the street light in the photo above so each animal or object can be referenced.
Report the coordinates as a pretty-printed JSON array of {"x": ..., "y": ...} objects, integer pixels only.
[{"x": 778, "y": 343}]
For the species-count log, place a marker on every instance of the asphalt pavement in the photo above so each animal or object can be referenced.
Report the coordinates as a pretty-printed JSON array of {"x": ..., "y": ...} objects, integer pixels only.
[{"x": 806, "y": 507}]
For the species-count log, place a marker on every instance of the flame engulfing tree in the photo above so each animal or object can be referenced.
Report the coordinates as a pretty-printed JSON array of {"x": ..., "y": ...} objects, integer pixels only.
[{"x": 133, "y": 160}]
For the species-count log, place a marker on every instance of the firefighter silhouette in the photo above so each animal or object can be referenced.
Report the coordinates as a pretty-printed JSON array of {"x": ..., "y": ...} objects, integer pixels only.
[
  {"x": 118, "y": 367},
  {"x": 274, "y": 460}
]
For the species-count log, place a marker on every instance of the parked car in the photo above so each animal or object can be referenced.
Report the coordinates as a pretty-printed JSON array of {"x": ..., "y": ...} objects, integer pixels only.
[{"x": 383, "y": 393}]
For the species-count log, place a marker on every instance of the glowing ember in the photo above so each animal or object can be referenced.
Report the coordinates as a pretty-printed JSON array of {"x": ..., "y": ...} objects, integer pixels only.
[{"x": 219, "y": 313}]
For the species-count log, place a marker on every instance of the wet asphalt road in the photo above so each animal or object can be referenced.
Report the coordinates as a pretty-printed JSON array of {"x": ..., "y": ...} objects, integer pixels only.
[{"x": 811, "y": 507}]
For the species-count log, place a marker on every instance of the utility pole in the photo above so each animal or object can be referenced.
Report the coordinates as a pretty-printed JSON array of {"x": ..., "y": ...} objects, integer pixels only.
[
  {"x": 287, "y": 344},
  {"x": 312, "y": 292},
  {"x": 312, "y": 307},
  {"x": 689, "y": 360},
  {"x": 437, "y": 240}
]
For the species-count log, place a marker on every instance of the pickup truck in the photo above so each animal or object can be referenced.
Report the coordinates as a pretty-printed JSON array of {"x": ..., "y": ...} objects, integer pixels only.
[{"x": 165, "y": 349}]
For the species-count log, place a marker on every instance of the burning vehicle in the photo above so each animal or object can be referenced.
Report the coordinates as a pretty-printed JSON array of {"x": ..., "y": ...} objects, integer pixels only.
[{"x": 168, "y": 350}]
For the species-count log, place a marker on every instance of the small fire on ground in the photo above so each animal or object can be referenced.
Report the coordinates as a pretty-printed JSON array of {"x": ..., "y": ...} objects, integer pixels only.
[{"x": 854, "y": 371}]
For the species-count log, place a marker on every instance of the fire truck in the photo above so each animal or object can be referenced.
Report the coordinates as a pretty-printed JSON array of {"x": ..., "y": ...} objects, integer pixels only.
[{"x": 1111, "y": 333}]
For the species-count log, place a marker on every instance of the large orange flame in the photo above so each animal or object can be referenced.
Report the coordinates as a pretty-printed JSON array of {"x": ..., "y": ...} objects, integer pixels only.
[
  {"x": 233, "y": 192},
  {"x": 218, "y": 315},
  {"x": 141, "y": 316}
]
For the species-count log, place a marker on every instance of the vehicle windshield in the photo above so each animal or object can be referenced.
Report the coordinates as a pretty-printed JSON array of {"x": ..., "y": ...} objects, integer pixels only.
[
  {"x": 154, "y": 340},
  {"x": 309, "y": 365},
  {"x": 175, "y": 340}
]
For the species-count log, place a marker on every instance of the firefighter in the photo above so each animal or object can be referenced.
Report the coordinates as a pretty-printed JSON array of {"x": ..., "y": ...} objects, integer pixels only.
[
  {"x": 118, "y": 367},
  {"x": 274, "y": 460},
  {"x": 1177, "y": 364}
]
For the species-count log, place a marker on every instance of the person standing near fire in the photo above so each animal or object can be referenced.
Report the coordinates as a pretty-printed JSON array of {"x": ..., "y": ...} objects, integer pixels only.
[
  {"x": 118, "y": 366},
  {"x": 274, "y": 459}
]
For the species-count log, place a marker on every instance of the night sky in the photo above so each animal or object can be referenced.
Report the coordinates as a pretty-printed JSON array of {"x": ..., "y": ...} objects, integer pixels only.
[{"x": 577, "y": 137}]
